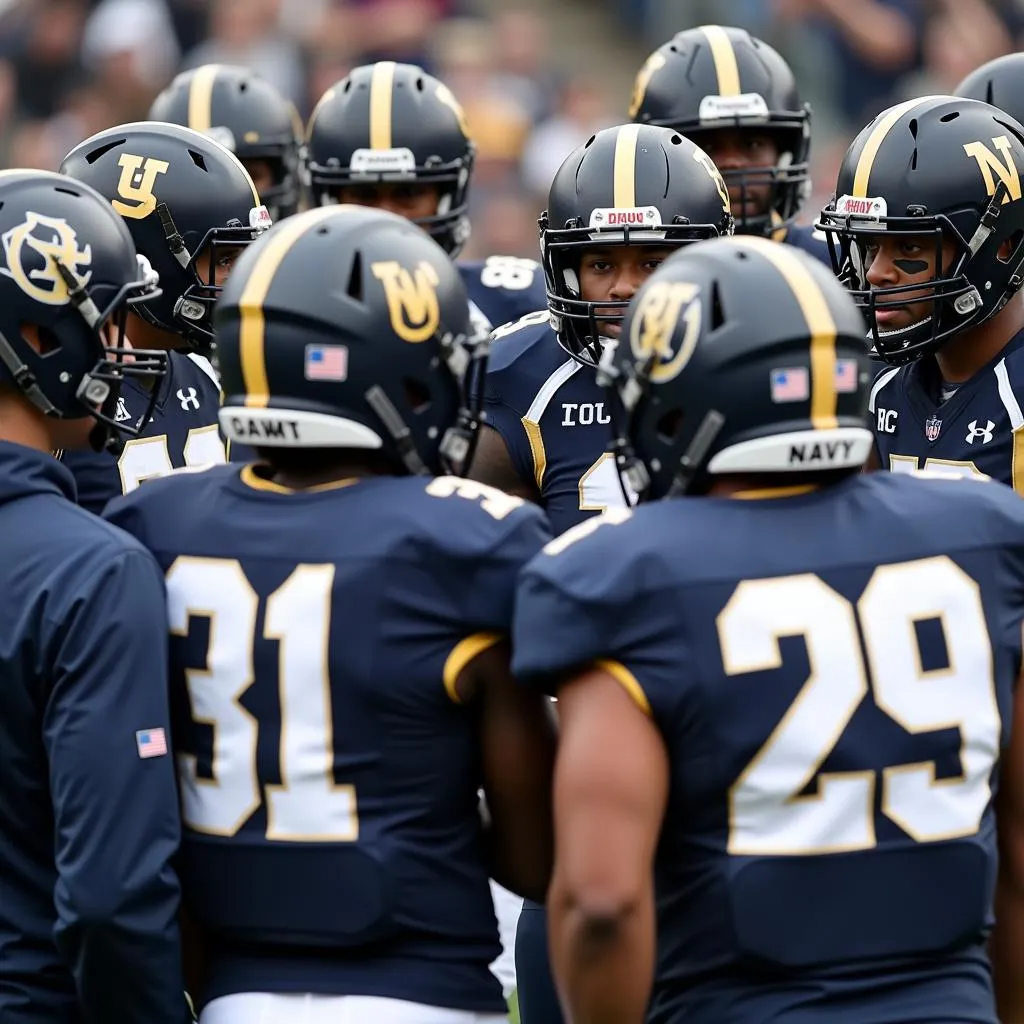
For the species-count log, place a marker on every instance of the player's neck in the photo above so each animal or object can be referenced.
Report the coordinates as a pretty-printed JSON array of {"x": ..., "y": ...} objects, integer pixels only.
[
  {"x": 21, "y": 423},
  {"x": 144, "y": 335},
  {"x": 964, "y": 355},
  {"x": 773, "y": 485},
  {"x": 307, "y": 471}
]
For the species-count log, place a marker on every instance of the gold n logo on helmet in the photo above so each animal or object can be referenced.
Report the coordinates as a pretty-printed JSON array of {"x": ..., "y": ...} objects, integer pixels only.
[
  {"x": 664, "y": 306},
  {"x": 411, "y": 297},
  {"x": 32, "y": 251},
  {"x": 715, "y": 174},
  {"x": 135, "y": 186},
  {"x": 991, "y": 166},
  {"x": 653, "y": 64}
]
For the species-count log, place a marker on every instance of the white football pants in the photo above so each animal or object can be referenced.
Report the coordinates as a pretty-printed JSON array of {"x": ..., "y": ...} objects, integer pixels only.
[
  {"x": 268, "y": 1008},
  {"x": 506, "y": 908}
]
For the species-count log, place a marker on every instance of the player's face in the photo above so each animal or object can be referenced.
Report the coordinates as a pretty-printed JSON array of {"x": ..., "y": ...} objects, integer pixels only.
[
  {"x": 408, "y": 199},
  {"x": 743, "y": 149},
  {"x": 223, "y": 258},
  {"x": 900, "y": 261},
  {"x": 262, "y": 174},
  {"x": 615, "y": 273}
]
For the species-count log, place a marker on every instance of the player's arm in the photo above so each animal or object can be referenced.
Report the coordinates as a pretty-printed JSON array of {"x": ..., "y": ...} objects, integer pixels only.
[
  {"x": 115, "y": 810},
  {"x": 492, "y": 465},
  {"x": 611, "y": 789},
  {"x": 873, "y": 462},
  {"x": 1006, "y": 947},
  {"x": 517, "y": 741}
]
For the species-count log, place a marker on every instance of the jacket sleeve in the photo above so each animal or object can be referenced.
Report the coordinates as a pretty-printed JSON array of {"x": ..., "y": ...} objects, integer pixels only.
[{"x": 107, "y": 733}]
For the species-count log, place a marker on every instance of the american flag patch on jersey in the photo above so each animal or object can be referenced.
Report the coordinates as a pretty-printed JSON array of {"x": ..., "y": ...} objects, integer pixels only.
[
  {"x": 151, "y": 742},
  {"x": 326, "y": 362},
  {"x": 846, "y": 376},
  {"x": 790, "y": 385}
]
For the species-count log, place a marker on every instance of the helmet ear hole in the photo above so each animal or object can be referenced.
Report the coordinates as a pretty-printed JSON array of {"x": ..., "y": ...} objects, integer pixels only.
[
  {"x": 417, "y": 394},
  {"x": 40, "y": 338},
  {"x": 669, "y": 426},
  {"x": 1009, "y": 248}
]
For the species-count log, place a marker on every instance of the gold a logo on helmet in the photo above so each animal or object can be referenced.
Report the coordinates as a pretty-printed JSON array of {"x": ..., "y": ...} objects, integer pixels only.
[
  {"x": 32, "y": 250},
  {"x": 665, "y": 328},
  {"x": 411, "y": 297}
]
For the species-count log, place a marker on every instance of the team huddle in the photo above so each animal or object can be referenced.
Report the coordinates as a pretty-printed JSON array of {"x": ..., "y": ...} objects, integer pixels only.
[{"x": 306, "y": 521}]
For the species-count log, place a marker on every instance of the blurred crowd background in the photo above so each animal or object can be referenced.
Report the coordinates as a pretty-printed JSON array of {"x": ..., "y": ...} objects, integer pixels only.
[{"x": 536, "y": 78}]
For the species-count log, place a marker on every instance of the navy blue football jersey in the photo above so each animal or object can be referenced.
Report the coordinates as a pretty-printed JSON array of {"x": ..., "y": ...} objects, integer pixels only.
[
  {"x": 88, "y": 796},
  {"x": 329, "y": 777},
  {"x": 183, "y": 432},
  {"x": 832, "y": 674},
  {"x": 979, "y": 429},
  {"x": 551, "y": 415},
  {"x": 805, "y": 237},
  {"x": 504, "y": 288}
]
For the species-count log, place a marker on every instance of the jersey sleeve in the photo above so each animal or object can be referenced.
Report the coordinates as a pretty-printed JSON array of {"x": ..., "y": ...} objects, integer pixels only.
[
  {"x": 513, "y": 431},
  {"x": 106, "y": 729},
  {"x": 490, "y": 547},
  {"x": 586, "y": 606}
]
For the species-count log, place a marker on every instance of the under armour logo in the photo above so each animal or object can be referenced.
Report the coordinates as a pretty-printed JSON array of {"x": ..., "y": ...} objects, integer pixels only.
[
  {"x": 985, "y": 432},
  {"x": 122, "y": 413},
  {"x": 186, "y": 396}
]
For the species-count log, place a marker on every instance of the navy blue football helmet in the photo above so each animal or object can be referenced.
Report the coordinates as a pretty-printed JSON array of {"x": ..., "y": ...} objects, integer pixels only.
[
  {"x": 628, "y": 185},
  {"x": 183, "y": 197},
  {"x": 348, "y": 327},
  {"x": 738, "y": 356},
  {"x": 394, "y": 123},
  {"x": 946, "y": 170},
  {"x": 70, "y": 270},
  {"x": 715, "y": 77},
  {"x": 245, "y": 113}
]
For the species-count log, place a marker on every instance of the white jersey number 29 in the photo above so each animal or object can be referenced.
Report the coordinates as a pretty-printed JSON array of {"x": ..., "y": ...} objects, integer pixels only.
[{"x": 769, "y": 813}]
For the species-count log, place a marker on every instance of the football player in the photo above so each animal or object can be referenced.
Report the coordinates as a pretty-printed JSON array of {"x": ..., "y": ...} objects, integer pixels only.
[
  {"x": 927, "y": 229},
  {"x": 88, "y": 798},
  {"x": 338, "y": 661},
  {"x": 245, "y": 113},
  {"x": 618, "y": 206},
  {"x": 779, "y": 738},
  {"x": 191, "y": 207},
  {"x": 391, "y": 136},
  {"x": 736, "y": 97}
]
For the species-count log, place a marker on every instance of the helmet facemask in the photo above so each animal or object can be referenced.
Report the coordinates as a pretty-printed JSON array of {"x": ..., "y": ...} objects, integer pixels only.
[
  {"x": 578, "y": 321},
  {"x": 449, "y": 226},
  {"x": 972, "y": 286},
  {"x": 193, "y": 309},
  {"x": 103, "y": 331}
]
